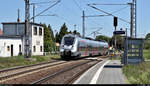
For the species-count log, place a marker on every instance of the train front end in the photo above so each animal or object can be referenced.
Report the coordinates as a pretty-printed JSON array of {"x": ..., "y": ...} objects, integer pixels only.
[{"x": 68, "y": 47}]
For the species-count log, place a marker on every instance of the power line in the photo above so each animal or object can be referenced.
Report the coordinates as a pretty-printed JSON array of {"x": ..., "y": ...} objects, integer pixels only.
[
  {"x": 46, "y": 9},
  {"x": 77, "y": 5},
  {"x": 95, "y": 32},
  {"x": 43, "y": 2},
  {"x": 119, "y": 10},
  {"x": 106, "y": 4},
  {"x": 48, "y": 15},
  {"x": 97, "y": 15},
  {"x": 91, "y": 19},
  {"x": 108, "y": 13}
]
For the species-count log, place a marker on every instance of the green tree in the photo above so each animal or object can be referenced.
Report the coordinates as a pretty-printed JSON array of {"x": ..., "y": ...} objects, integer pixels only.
[
  {"x": 102, "y": 37},
  {"x": 148, "y": 36},
  {"x": 57, "y": 37},
  {"x": 51, "y": 32},
  {"x": 119, "y": 42},
  {"x": 63, "y": 31},
  {"x": 147, "y": 41},
  {"x": 76, "y": 32},
  {"x": 48, "y": 39}
]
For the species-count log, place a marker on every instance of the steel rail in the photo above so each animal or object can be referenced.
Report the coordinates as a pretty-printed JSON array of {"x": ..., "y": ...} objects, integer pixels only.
[
  {"x": 27, "y": 71},
  {"x": 71, "y": 80},
  {"x": 19, "y": 67},
  {"x": 44, "y": 79}
]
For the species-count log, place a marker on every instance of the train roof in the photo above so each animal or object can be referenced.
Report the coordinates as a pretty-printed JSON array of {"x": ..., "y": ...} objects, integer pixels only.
[{"x": 86, "y": 38}]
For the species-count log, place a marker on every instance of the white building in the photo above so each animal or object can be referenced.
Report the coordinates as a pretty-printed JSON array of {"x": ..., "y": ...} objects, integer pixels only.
[{"x": 12, "y": 41}]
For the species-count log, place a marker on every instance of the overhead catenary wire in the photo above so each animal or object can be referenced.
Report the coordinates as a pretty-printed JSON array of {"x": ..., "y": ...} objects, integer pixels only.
[
  {"x": 95, "y": 32},
  {"x": 43, "y": 2},
  {"x": 48, "y": 15},
  {"x": 106, "y": 4},
  {"x": 46, "y": 9},
  {"x": 108, "y": 13},
  {"x": 93, "y": 22},
  {"x": 119, "y": 10},
  {"x": 77, "y": 5}
]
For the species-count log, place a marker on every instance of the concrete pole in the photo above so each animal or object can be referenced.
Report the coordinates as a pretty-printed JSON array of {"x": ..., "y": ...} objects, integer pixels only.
[
  {"x": 27, "y": 51},
  {"x": 115, "y": 39},
  {"x": 83, "y": 27},
  {"x": 33, "y": 13},
  {"x": 131, "y": 25},
  {"x": 55, "y": 42}
]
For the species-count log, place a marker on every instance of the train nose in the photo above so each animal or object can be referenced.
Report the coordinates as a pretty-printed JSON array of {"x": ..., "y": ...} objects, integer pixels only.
[
  {"x": 67, "y": 52},
  {"x": 67, "y": 47}
]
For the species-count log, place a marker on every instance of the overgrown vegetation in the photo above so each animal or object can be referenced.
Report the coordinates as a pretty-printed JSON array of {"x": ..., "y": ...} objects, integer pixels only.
[
  {"x": 111, "y": 41},
  {"x": 146, "y": 54},
  {"x": 138, "y": 74},
  {"x": 20, "y": 60},
  {"x": 49, "y": 39},
  {"x": 147, "y": 41},
  {"x": 49, "y": 44},
  {"x": 147, "y": 44}
]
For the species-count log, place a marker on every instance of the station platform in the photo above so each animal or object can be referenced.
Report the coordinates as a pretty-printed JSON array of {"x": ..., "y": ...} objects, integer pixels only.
[{"x": 105, "y": 72}]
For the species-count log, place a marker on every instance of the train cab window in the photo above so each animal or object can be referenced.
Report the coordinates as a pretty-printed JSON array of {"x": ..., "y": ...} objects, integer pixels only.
[{"x": 68, "y": 40}]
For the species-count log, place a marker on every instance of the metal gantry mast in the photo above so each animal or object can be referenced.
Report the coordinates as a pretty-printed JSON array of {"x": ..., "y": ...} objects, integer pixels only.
[
  {"x": 133, "y": 22},
  {"x": 134, "y": 17}
]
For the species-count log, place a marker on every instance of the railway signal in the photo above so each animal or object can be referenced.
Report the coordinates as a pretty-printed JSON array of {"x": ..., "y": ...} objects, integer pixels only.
[{"x": 115, "y": 22}]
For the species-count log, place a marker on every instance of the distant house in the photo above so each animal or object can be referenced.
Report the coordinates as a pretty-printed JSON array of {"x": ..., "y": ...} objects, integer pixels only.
[
  {"x": 1, "y": 32},
  {"x": 12, "y": 40}
]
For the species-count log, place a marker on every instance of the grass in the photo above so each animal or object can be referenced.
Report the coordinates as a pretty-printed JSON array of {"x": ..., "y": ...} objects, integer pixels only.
[
  {"x": 146, "y": 54},
  {"x": 21, "y": 61},
  {"x": 138, "y": 74}
]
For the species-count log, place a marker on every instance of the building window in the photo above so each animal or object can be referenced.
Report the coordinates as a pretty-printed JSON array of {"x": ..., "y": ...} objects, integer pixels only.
[
  {"x": 40, "y": 31},
  {"x": 35, "y": 30},
  {"x": 20, "y": 48},
  {"x": 41, "y": 48},
  {"x": 34, "y": 48},
  {"x": 8, "y": 48}
]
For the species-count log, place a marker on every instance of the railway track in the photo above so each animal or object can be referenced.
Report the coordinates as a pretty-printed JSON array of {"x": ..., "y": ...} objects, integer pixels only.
[
  {"x": 35, "y": 74},
  {"x": 47, "y": 79},
  {"x": 13, "y": 72}
]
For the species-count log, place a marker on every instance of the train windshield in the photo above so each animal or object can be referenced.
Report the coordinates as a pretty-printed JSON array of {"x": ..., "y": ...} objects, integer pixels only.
[{"x": 68, "y": 40}]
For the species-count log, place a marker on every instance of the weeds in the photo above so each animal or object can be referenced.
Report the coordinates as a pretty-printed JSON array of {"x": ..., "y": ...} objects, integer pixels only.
[{"x": 8, "y": 62}]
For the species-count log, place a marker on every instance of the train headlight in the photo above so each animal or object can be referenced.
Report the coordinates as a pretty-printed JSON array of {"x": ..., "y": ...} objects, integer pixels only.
[
  {"x": 72, "y": 46},
  {"x": 62, "y": 46}
]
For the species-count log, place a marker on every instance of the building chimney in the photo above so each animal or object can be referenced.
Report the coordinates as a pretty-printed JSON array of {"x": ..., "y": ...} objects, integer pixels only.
[{"x": 18, "y": 20}]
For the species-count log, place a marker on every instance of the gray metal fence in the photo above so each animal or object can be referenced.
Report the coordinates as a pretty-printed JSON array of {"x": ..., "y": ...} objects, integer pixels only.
[{"x": 133, "y": 51}]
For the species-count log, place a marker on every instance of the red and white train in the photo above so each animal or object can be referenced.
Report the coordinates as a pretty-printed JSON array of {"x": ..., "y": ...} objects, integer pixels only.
[{"x": 75, "y": 46}]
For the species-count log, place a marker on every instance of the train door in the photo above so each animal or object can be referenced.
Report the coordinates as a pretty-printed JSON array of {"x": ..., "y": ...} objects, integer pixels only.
[{"x": 12, "y": 50}]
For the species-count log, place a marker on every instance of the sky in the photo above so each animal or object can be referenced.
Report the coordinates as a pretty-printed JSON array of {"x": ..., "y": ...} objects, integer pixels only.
[{"x": 70, "y": 12}]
